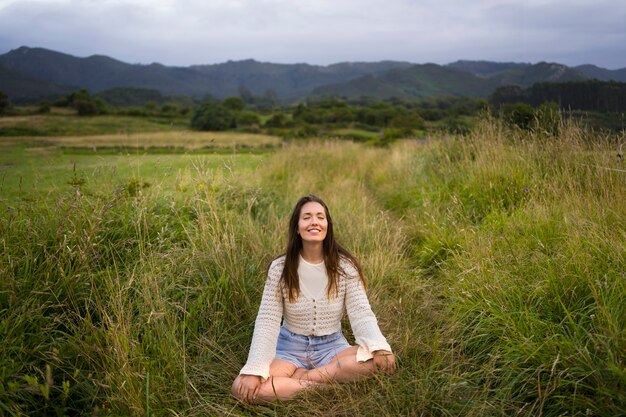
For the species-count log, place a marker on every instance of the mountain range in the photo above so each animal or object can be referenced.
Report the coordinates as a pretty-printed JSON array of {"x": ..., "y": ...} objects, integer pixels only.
[{"x": 32, "y": 74}]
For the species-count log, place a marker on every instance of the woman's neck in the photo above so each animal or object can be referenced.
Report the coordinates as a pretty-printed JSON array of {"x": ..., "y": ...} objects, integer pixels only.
[{"x": 312, "y": 252}]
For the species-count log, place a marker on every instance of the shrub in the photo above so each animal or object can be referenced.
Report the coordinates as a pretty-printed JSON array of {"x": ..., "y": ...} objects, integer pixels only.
[
  {"x": 277, "y": 120},
  {"x": 247, "y": 118},
  {"x": 4, "y": 102},
  {"x": 212, "y": 116},
  {"x": 90, "y": 106},
  {"x": 518, "y": 114},
  {"x": 44, "y": 107},
  {"x": 234, "y": 103}
]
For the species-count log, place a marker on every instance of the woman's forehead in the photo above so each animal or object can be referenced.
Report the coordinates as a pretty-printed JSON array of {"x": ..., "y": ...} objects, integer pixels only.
[{"x": 312, "y": 207}]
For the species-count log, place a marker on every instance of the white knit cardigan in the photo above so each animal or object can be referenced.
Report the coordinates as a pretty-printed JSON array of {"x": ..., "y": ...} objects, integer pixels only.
[{"x": 309, "y": 316}]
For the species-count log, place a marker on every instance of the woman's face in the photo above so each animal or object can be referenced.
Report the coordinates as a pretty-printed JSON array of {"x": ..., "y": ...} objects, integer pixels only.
[{"x": 313, "y": 224}]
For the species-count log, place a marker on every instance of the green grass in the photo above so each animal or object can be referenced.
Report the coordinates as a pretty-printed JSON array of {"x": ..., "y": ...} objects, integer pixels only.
[
  {"x": 353, "y": 134},
  {"x": 62, "y": 124},
  {"x": 495, "y": 264},
  {"x": 29, "y": 175}
]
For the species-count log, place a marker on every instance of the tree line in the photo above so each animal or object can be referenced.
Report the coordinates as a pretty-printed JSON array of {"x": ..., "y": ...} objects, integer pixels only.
[
  {"x": 589, "y": 95},
  {"x": 357, "y": 118}
]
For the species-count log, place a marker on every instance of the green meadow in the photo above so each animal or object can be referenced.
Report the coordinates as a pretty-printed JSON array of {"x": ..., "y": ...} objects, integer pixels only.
[{"x": 130, "y": 274}]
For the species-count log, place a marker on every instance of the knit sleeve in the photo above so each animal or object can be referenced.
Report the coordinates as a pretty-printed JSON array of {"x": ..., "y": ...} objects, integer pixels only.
[
  {"x": 364, "y": 325},
  {"x": 266, "y": 326}
]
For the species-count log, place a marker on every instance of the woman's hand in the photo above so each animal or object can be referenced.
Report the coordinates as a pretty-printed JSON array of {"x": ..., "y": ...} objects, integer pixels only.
[
  {"x": 248, "y": 387},
  {"x": 384, "y": 361}
]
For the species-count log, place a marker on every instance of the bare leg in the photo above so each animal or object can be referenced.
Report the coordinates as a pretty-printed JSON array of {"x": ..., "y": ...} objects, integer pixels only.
[
  {"x": 281, "y": 388},
  {"x": 282, "y": 384},
  {"x": 343, "y": 368}
]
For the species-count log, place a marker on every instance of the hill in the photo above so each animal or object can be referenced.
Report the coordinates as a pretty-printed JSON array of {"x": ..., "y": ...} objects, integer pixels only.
[
  {"x": 602, "y": 74},
  {"x": 484, "y": 68},
  {"x": 98, "y": 73},
  {"x": 30, "y": 74},
  {"x": 417, "y": 81},
  {"x": 290, "y": 81},
  {"x": 23, "y": 87},
  {"x": 475, "y": 80}
]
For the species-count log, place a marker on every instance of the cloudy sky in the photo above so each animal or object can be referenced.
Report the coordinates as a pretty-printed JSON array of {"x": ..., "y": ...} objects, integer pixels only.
[{"x": 186, "y": 32}]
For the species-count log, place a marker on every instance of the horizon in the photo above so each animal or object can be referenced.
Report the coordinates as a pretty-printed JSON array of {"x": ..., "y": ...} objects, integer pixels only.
[
  {"x": 305, "y": 63},
  {"x": 186, "y": 32}
]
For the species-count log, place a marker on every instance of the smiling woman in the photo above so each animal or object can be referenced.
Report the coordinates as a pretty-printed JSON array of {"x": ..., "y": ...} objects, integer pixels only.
[{"x": 309, "y": 349}]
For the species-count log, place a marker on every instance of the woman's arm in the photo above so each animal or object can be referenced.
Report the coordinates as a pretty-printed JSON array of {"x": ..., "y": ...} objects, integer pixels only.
[
  {"x": 266, "y": 326},
  {"x": 364, "y": 325}
]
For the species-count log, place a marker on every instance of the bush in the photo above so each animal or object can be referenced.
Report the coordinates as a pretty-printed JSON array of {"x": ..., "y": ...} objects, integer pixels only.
[
  {"x": 4, "y": 102},
  {"x": 170, "y": 109},
  {"x": 234, "y": 103},
  {"x": 518, "y": 114},
  {"x": 247, "y": 118},
  {"x": 89, "y": 107},
  {"x": 392, "y": 133},
  {"x": 44, "y": 107},
  {"x": 212, "y": 116},
  {"x": 277, "y": 120},
  {"x": 85, "y": 104},
  {"x": 408, "y": 121}
]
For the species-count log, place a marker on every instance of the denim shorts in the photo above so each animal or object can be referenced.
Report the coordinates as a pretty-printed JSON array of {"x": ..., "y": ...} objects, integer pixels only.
[{"x": 309, "y": 351}]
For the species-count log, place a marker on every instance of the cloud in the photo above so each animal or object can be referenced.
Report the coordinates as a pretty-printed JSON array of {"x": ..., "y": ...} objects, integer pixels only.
[{"x": 323, "y": 31}]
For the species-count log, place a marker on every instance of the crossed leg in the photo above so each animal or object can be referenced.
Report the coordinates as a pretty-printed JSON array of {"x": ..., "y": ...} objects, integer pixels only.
[
  {"x": 286, "y": 380},
  {"x": 342, "y": 368},
  {"x": 280, "y": 385}
]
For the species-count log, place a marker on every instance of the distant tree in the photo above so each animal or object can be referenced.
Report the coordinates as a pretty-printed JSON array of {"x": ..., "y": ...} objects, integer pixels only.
[
  {"x": 593, "y": 95},
  {"x": 184, "y": 111},
  {"x": 247, "y": 118},
  {"x": 129, "y": 96},
  {"x": 212, "y": 116},
  {"x": 151, "y": 105},
  {"x": 246, "y": 95},
  {"x": 44, "y": 107},
  {"x": 85, "y": 107},
  {"x": 508, "y": 95},
  {"x": 277, "y": 120},
  {"x": 268, "y": 101},
  {"x": 432, "y": 114},
  {"x": 407, "y": 121},
  {"x": 4, "y": 102},
  {"x": 521, "y": 115},
  {"x": 85, "y": 104},
  {"x": 170, "y": 108},
  {"x": 90, "y": 107},
  {"x": 234, "y": 103}
]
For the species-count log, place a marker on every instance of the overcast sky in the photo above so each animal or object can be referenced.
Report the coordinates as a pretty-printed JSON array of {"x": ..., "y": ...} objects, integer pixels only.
[{"x": 186, "y": 32}]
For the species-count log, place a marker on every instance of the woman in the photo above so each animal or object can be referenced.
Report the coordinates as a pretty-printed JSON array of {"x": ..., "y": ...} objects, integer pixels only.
[{"x": 309, "y": 288}]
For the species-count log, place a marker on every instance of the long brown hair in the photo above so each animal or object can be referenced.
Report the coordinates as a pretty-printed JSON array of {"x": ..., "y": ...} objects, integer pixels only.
[{"x": 333, "y": 253}]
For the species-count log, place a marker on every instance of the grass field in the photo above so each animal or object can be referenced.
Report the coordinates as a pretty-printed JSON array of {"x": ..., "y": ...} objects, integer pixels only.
[
  {"x": 32, "y": 166},
  {"x": 186, "y": 140},
  {"x": 495, "y": 262},
  {"x": 65, "y": 123}
]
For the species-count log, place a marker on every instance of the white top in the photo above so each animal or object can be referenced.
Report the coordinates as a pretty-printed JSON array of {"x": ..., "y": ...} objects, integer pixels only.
[
  {"x": 313, "y": 278},
  {"x": 317, "y": 316}
]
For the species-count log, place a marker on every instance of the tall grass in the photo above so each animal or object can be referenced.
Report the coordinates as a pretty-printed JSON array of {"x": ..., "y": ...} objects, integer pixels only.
[
  {"x": 524, "y": 235},
  {"x": 495, "y": 264}
]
